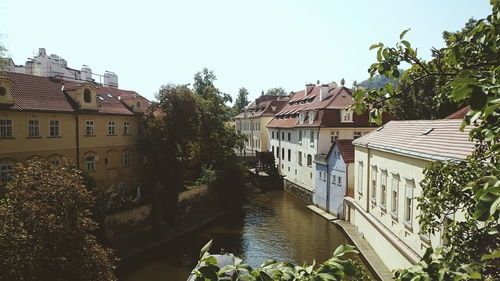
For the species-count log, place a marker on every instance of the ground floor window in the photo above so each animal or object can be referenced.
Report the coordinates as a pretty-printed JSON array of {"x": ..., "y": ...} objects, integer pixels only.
[
  {"x": 409, "y": 187},
  {"x": 90, "y": 163},
  {"x": 5, "y": 171}
]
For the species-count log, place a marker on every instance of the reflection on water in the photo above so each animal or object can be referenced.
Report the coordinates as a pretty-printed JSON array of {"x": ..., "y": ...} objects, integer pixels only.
[{"x": 270, "y": 225}]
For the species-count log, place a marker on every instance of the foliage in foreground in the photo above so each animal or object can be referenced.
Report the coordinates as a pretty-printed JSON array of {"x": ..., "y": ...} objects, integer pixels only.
[
  {"x": 336, "y": 268},
  {"x": 465, "y": 195},
  {"x": 46, "y": 232}
]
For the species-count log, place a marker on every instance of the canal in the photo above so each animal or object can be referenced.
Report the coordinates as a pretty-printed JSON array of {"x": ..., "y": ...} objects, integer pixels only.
[{"x": 271, "y": 224}]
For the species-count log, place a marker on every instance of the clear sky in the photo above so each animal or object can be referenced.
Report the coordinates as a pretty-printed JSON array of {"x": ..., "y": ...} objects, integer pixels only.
[{"x": 257, "y": 44}]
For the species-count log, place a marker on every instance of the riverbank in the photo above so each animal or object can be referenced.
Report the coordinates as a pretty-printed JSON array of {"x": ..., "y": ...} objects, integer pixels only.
[{"x": 375, "y": 264}]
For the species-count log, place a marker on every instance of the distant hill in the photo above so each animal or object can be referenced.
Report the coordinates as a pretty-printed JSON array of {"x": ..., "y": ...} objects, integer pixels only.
[{"x": 378, "y": 81}]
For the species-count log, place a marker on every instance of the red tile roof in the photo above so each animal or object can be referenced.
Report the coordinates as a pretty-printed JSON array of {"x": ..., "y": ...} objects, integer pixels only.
[
  {"x": 264, "y": 106},
  {"x": 112, "y": 104},
  {"x": 35, "y": 93},
  {"x": 459, "y": 114},
  {"x": 445, "y": 141},
  {"x": 346, "y": 150}
]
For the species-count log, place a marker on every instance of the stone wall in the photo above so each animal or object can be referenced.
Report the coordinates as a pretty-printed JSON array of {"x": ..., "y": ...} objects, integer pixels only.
[{"x": 298, "y": 191}]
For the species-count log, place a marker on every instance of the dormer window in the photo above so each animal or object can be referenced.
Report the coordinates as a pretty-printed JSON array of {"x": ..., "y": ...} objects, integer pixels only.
[
  {"x": 109, "y": 95},
  {"x": 101, "y": 98},
  {"x": 346, "y": 116},
  {"x": 3, "y": 91},
  {"x": 301, "y": 118},
  {"x": 87, "y": 96},
  {"x": 311, "y": 117},
  {"x": 138, "y": 104}
]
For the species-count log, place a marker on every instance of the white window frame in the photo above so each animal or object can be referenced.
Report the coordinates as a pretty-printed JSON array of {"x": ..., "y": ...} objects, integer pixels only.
[
  {"x": 89, "y": 127},
  {"x": 126, "y": 128},
  {"x": 33, "y": 128},
  {"x": 346, "y": 116},
  {"x": 339, "y": 180},
  {"x": 309, "y": 160},
  {"x": 6, "y": 128},
  {"x": 90, "y": 163},
  {"x": 54, "y": 128},
  {"x": 334, "y": 135},
  {"x": 409, "y": 189},
  {"x": 111, "y": 128},
  {"x": 373, "y": 184},
  {"x": 395, "y": 193},
  {"x": 311, "y": 137},
  {"x": 360, "y": 177},
  {"x": 300, "y": 158},
  {"x": 383, "y": 188}
]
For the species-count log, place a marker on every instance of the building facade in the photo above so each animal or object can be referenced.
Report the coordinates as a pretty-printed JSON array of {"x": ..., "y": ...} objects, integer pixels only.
[
  {"x": 389, "y": 165},
  {"x": 308, "y": 125},
  {"x": 334, "y": 177},
  {"x": 95, "y": 126},
  {"x": 253, "y": 120}
]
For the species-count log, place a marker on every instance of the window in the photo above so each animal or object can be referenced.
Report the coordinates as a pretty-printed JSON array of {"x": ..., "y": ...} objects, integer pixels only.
[
  {"x": 272, "y": 134},
  {"x": 309, "y": 160},
  {"x": 346, "y": 116},
  {"x": 311, "y": 117},
  {"x": 300, "y": 158},
  {"x": 111, "y": 128},
  {"x": 5, "y": 128},
  {"x": 89, "y": 128},
  {"x": 126, "y": 159},
  {"x": 283, "y": 135},
  {"x": 357, "y": 135},
  {"x": 90, "y": 163},
  {"x": 394, "y": 193},
  {"x": 122, "y": 189},
  {"x": 383, "y": 188},
  {"x": 109, "y": 95},
  {"x": 339, "y": 181},
  {"x": 277, "y": 152},
  {"x": 312, "y": 138},
  {"x": 34, "y": 128},
  {"x": 3, "y": 91},
  {"x": 87, "y": 96},
  {"x": 373, "y": 185},
  {"x": 54, "y": 128},
  {"x": 56, "y": 162},
  {"x": 289, "y": 155},
  {"x": 409, "y": 186},
  {"x": 283, "y": 153},
  {"x": 334, "y": 136},
  {"x": 100, "y": 98},
  {"x": 360, "y": 177},
  {"x": 126, "y": 128},
  {"x": 289, "y": 136},
  {"x": 272, "y": 147},
  {"x": 5, "y": 170},
  {"x": 301, "y": 118},
  {"x": 300, "y": 137}
]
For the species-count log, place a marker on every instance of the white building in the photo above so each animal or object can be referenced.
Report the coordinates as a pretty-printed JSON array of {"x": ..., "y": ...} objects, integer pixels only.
[
  {"x": 308, "y": 125},
  {"x": 55, "y": 66},
  {"x": 389, "y": 165}
]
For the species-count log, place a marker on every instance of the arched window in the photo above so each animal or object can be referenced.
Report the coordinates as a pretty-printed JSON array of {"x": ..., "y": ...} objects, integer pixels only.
[
  {"x": 3, "y": 91},
  {"x": 55, "y": 159},
  {"x": 309, "y": 160},
  {"x": 87, "y": 96},
  {"x": 126, "y": 159}
]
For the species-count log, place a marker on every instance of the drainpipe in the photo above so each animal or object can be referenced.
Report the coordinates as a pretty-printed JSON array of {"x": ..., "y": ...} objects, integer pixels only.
[
  {"x": 279, "y": 149},
  {"x": 77, "y": 140},
  {"x": 328, "y": 183},
  {"x": 368, "y": 179}
]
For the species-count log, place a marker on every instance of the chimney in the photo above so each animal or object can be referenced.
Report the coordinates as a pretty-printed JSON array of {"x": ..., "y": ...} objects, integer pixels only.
[
  {"x": 323, "y": 93},
  {"x": 41, "y": 52},
  {"x": 309, "y": 88}
]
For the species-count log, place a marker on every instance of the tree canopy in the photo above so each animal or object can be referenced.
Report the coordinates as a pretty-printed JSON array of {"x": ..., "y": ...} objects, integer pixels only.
[
  {"x": 46, "y": 231},
  {"x": 279, "y": 91},
  {"x": 241, "y": 100}
]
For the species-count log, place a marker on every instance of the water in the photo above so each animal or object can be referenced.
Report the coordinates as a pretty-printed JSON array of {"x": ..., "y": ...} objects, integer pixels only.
[{"x": 271, "y": 224}]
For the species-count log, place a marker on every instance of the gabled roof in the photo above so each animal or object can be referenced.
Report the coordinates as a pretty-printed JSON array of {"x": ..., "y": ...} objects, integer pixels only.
[
  {"x": 264, "y": 106},
  {"x": 113, "y": 97},
  {"x": 346, "y": 150},
  {"x": 460, "y": 114},
  {"x": 35, "y": 93},
  {"x": 425, "y": 139}
]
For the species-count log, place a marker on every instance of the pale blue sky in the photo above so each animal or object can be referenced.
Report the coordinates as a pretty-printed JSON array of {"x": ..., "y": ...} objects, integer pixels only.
[{"x": 256, "y": 44}]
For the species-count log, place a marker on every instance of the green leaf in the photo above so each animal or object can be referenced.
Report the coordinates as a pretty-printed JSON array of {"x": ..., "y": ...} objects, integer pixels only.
[
  {"x": 263, "y": 276},
  {"x": 494, "y": 255},
  {"x": 209, "y": 273},
  {"x": 403, "y": 33},
  {"x": 406, "y": 43},
  {"x": 478, "y": 98},
  {"x": 459, "y": 94},
  {"x": 206, "y": 248},
  {"x": 210, "y": 260},
  {"x": 268, "y": 262},
  {"x": 343, "y": 249},
  {"x": 376, "y": 46}
]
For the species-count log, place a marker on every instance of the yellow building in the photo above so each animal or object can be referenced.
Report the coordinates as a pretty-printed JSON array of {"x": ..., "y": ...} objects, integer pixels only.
[
  {"x": 252, "y": 122},
  {"x": 51, "y": 119},
  {"x": 389, "y": 164}
]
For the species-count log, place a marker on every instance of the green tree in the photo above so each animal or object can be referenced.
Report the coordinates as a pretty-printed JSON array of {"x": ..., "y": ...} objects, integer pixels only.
[
  {"x": 241, "y": 101},
  {"x": 279, "y": 91},
  {"x": 466, "y": 70},
  {"x": 46, "y": 231}
]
